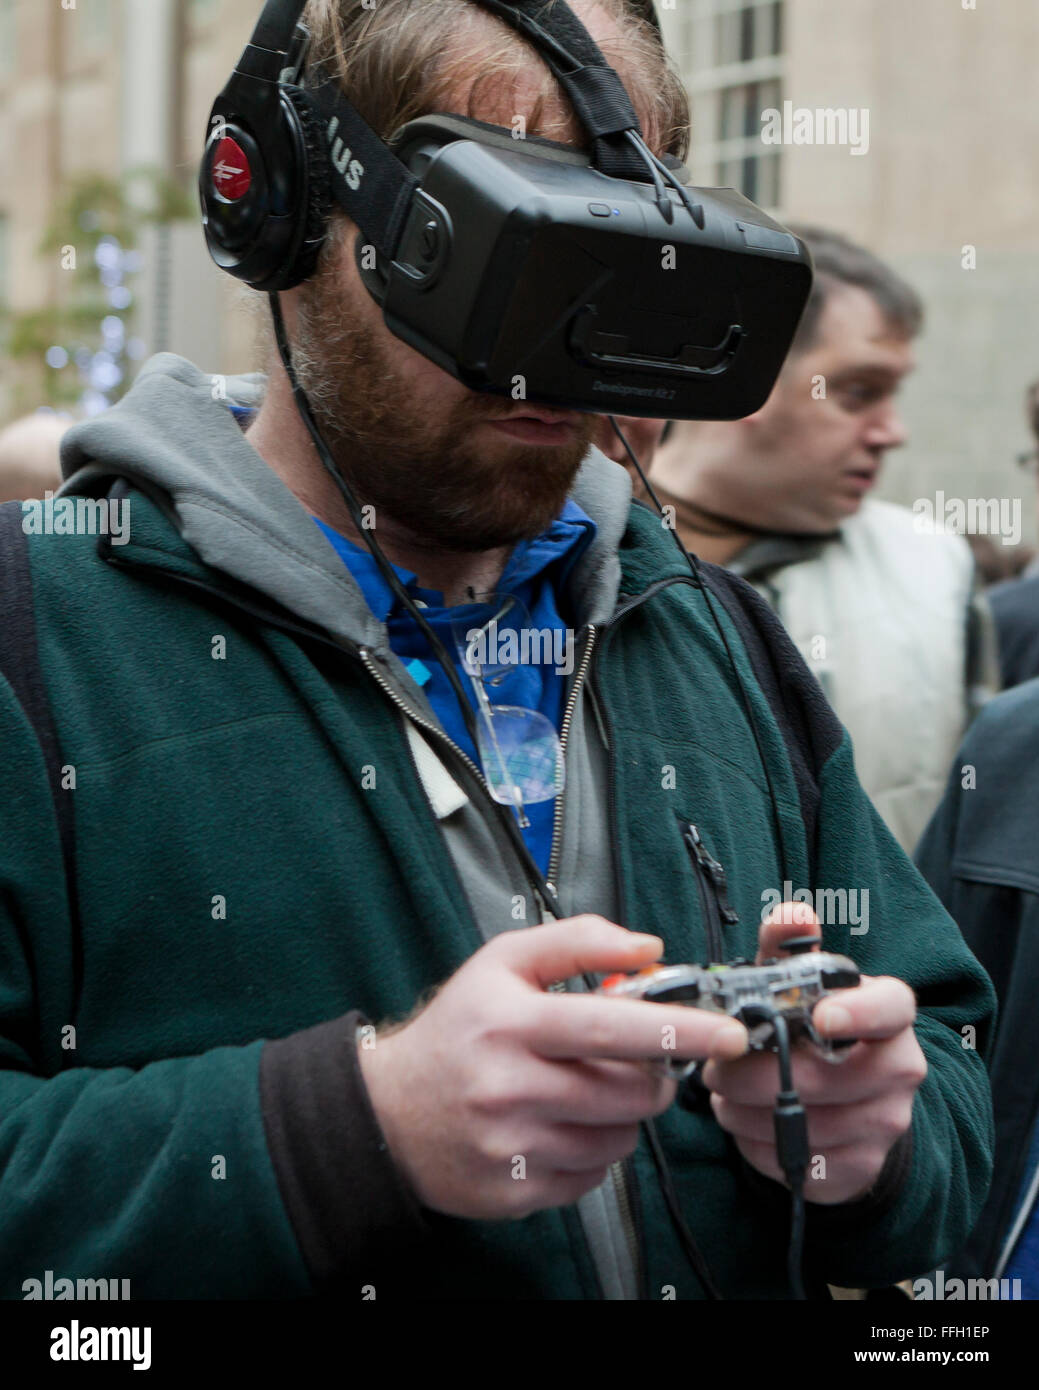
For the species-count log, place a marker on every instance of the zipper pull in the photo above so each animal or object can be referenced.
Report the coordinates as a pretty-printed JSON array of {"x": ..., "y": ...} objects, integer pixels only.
[
  {"x": 714, "y": 899},
  {"x": 714, "y": 872}
]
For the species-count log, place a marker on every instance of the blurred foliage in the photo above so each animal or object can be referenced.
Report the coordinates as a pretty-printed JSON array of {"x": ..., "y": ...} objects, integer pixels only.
[
  {"x": 95, "y": 206},
  {"x": 91, "y": 208}
]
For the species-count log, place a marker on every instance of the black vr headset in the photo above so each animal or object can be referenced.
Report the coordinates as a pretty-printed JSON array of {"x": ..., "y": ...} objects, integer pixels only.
[{"x": 522, "y": 267}]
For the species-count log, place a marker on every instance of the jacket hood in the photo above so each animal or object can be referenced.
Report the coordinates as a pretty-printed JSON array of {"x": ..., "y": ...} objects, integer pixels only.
[{"x": 174, "y": 431}]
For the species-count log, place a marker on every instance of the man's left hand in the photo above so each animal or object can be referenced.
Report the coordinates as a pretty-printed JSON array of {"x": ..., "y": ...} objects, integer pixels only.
[{"x": 858, "y": 1109}]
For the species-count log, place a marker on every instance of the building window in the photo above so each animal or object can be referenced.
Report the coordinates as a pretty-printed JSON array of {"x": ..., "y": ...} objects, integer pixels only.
[
  {"x": 732, "y": 60},
  {"x": 748, "y": 31}
]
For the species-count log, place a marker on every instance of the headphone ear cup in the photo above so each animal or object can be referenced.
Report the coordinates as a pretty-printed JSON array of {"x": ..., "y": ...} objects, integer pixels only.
[{"x": 319, "y": 190}]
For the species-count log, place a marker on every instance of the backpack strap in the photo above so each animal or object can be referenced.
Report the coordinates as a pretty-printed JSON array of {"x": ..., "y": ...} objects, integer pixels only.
[
  {"x": 811, "y": 730},
  {"x": 19, "y": 664}
]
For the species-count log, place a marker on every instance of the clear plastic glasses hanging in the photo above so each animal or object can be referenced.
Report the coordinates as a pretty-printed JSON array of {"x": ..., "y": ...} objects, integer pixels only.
[{"x": 519, "y": 748}]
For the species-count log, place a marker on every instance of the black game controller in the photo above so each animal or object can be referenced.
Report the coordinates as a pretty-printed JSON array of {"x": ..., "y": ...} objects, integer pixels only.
[{"x": 752, "y": 994}]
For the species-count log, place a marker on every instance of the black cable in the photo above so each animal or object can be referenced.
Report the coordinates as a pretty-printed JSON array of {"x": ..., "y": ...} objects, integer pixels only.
[
  {"x": 790, "y": 1122},
  {"x": 691, "y": 560},
  {"x": 791, "y": 1129},
  {"x": 385, "y": 568},
  {"x": 678, "y": 185},
  {"x": 685, "y": 1236},
  {"x": 658, "y": 170},
  {"x": 507, "y": 816},
  {"x": 664, "y": 204},
  {"x": 795, "y": 1253},
  {"x": 635, "y": 464}
]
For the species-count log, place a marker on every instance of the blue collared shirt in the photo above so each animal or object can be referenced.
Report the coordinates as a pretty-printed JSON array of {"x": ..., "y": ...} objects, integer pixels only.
[{"x": 536, "y": 573}]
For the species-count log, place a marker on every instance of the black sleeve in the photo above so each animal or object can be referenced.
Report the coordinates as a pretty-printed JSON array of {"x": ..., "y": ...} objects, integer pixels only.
[{"x": 350, "y": 1206}]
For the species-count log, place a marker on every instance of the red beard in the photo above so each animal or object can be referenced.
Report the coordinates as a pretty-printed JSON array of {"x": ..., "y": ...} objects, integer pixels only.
[{"x": 430, "y": 475}]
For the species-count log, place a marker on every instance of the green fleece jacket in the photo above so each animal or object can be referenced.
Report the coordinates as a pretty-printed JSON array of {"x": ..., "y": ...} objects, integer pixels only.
[{"x": 180, "y": 1100}]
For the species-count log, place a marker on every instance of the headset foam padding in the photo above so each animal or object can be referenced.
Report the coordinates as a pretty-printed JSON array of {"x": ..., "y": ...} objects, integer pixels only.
[{"x": 318, "y": 188}]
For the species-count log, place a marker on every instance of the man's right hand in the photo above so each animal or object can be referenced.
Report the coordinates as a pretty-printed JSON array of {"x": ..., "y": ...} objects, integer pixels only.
[{"x": 496, "y": 1069}]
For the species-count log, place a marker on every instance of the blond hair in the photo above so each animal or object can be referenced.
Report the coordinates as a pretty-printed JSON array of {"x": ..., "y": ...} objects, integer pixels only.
[{"x": 407, "y": 58}]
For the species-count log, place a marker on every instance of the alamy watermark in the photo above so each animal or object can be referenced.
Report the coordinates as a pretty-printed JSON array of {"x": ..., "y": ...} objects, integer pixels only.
[
  {"x": 968, "y": 516},
  {"x": 801, "y": 125},
  {"x": 79, "y": 1342},
  {"x": 77, "y": 516},
  {"x": 50, "y": 1288},
  {"x": 834, "y": 907},
  {"x": 524, "y": 646},
  {"x": 970, "y": 1290}
]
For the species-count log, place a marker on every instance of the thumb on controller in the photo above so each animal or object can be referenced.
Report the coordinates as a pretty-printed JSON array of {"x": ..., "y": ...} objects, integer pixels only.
[{"x": 783, "y": 923}]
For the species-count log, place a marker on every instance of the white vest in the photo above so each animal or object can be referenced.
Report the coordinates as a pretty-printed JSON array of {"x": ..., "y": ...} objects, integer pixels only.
[{"x": 880, "y": 615}]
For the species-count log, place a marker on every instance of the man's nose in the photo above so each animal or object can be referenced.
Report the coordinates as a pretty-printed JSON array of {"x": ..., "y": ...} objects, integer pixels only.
[{"x": 886, "y": 430}]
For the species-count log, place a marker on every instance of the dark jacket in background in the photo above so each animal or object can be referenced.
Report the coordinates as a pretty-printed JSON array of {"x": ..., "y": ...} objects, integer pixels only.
[
  {"x": 1015, "y": 608},
  {"x": 981, "y": 855}
]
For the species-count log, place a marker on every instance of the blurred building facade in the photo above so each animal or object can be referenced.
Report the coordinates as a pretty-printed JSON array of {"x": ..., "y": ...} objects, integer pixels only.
[
  {"x": 945, "y": 182},
  {"x": 945, "y": 188},
  {"x": 104, "y": 87}
]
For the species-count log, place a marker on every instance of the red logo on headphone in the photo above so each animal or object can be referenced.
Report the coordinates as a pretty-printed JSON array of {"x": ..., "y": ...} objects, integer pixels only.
[{"x": 231, "y": 173}]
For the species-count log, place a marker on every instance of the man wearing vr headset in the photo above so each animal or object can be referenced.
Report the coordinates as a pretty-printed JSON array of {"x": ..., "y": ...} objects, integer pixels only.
[{"x": 278, "y": 841}]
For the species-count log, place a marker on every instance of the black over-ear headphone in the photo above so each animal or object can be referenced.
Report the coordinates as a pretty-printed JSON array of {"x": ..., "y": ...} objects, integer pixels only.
[{"x": 264, "y": 182}]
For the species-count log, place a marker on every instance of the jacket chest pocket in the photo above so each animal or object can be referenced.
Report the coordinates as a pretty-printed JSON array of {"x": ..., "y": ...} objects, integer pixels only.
[{"x": 713, "y": 889}]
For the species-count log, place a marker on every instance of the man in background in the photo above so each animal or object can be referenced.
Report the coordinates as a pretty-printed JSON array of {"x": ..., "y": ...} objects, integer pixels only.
[
  {"x": 30, "y": 462},
  {"x": 886, "y": 617},
  {"x": 1015, "y": 604},
  {"x": 980, "y": 854}
]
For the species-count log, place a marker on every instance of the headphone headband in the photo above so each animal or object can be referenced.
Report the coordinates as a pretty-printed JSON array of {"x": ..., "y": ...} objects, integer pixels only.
[
  {"x": 277, "y": 25},
  {"x": 281, "y": 153}
]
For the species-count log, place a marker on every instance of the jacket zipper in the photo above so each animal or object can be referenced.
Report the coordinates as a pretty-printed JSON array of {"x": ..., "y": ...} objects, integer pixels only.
[
  {"x": 619, "y": 1171},
  {"x": 623, "y": 1178},
  {"x": 623, "y": 1171},
  {"x": 564, "y": 734},
  {"x": 714, "y": 893},
  {"x": 368, "y": 662}
]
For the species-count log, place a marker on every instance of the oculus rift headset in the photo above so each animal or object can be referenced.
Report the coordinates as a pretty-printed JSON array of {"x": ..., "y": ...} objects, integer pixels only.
[{"x": 601, "y": 281}]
